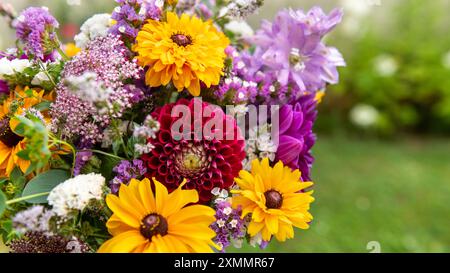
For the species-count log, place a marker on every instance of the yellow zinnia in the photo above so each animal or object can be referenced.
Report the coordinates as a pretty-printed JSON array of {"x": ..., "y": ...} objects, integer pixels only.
[
  {"x": 275, "y": 200},
  {"x": 160, "y": 222},
  {"x": 10, "y": 143},
  {"x": 183, "y": 50}
]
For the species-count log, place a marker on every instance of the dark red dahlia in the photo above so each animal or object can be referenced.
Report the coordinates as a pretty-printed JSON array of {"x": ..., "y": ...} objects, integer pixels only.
[{"x": 205, "y": 162}]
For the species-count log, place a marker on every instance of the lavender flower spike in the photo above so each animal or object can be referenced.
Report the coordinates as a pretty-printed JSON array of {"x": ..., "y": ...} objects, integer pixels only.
[{"x": 35, "y": 27}]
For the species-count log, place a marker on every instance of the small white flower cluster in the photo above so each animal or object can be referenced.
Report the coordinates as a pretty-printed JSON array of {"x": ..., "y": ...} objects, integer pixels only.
[
  {"x": 40, "y": 78},
  {"x": 240, "y": 9},
  {"x": 240, "y": 28},
  {"x": 260, "y": 145},
  {"x": 220, "y": 195},
  {"x": 43, "y": 76},
  {"x": 237, "y": 111},
  {"x": 33, "y": 219},
  {"x": 94, "y": 27},
  {"x": 76, "y": 193},
  {"x": 10, "y": 68},
  {"x": 88, "y": 88},
  {"x": 143, "y": 133}
]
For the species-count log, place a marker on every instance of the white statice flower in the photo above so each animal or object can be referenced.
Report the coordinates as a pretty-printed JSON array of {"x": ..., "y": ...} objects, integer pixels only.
[
  {"x": 141, "y": 149},
  {"x": 96, "y": 26},
  {"x": 33, "y": 219},
  {"x": 227, "y": 211},
  {"x": 76, "y": 193},
  {"x": 259, "y": 145},
  {"x": 9, "y": 68},
  {"x": 240, "y": 28},
  {"x": 19, "y": 65},
  {"x": 240, "y": 9},
  {"x": 364, "y": 115},
  {"x": 220, "y": 223},
  {"x": 385, "y": 65},
  {"x": 446, "y": 60},
  {"x": 40, "y": 78},
  {"x": 148, "y": 130},
  {"x": 220, "y": 195},
  {"x": 5, "y": 67}
]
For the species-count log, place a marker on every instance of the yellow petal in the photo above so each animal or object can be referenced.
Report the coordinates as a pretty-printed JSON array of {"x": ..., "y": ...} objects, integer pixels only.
[
  {"x": 147, "y": 197},
  {"x": 123, "y": 243},
  {"x": 125, "y": 213},
  {"x": 161, "y": 196}
]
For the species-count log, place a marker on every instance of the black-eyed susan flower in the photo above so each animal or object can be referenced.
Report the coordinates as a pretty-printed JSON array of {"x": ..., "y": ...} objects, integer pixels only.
[
  {"x": 147, "y": 221},
  {"x": 183, "y": 50},
  {"x": 274, "y": 198},
  {"x": 11, "y": 143}
]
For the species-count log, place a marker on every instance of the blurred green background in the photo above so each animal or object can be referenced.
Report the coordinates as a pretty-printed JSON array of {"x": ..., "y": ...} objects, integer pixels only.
[{"x": 382, "y": 168}]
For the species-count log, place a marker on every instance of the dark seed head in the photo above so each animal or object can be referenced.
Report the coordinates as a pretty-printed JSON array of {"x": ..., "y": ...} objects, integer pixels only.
[
  {"x": 7, "y": 136},
  {"x": 181, "y": 39},
  {"x": 152, "y": 225},
  {"x": 274, "y": 200}
]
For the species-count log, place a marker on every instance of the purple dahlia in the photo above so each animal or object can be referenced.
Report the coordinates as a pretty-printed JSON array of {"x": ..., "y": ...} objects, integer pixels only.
[
  {"x": 296, "y": 137},
  {"x": 205, "y": 163}
]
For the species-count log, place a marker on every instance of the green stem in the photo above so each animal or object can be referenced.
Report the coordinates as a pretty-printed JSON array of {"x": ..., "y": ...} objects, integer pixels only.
[
  {"x": 74, "y": 153},
  {"x": 47, "y": 74},
  {"x": 62, "y": 53},
  {"x": 106, "y": 154},
  {"x": 20, "y": 199}
]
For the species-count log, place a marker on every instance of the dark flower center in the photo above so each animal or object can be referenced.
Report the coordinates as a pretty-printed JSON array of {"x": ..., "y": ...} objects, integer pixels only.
[
  {"x": 7, "y": 136},
  {"x": 153, "y": 224},
  {"x": 181, "y": 39},
  {"x": 274, "y": 200}
]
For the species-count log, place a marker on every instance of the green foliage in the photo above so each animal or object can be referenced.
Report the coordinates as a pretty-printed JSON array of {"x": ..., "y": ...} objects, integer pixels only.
[
  {"x": 37, "y": 150},
  {"x": 44, "y": 183},
  {"x": 415, "y": 96},
  {"x": 2, "y": 203},
  {"x": 108, "y": 163}
]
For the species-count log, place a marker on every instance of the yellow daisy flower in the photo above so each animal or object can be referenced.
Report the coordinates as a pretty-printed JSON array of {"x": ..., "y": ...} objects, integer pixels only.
[
  {"x": 183, "y": 50},
  {"x": 144, "y": 221},
  {"x": 273, "y": 197},
  {"x": 10, "y": 143}
]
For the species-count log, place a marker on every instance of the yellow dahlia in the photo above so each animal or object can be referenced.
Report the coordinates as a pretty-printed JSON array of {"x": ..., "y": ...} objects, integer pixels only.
[
  {"x": 11, "y": 143},
  {"x": 144, "y": 221},
  {"x": 275, "y": 200},
  {"x": 183, "y": 50}
]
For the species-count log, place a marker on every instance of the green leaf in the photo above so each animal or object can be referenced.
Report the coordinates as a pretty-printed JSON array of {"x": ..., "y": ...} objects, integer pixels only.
[
  {"x": 2, "y": 203},
  {"x": 108, "y": 163},
  {"x": 45, "y": 105},
  {"x": 44, "y": 182}
]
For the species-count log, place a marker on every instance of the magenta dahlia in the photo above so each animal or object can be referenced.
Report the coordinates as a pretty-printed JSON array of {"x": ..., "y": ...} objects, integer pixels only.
[{"x": 204, "y": 162}]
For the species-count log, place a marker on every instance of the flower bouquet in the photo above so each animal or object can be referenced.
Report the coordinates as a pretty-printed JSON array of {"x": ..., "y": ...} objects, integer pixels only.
[{"x": 167, "y": 126}]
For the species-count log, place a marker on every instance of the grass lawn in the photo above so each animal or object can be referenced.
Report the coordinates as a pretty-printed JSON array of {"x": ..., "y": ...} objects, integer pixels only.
[{"x": 396, "y": 193}]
